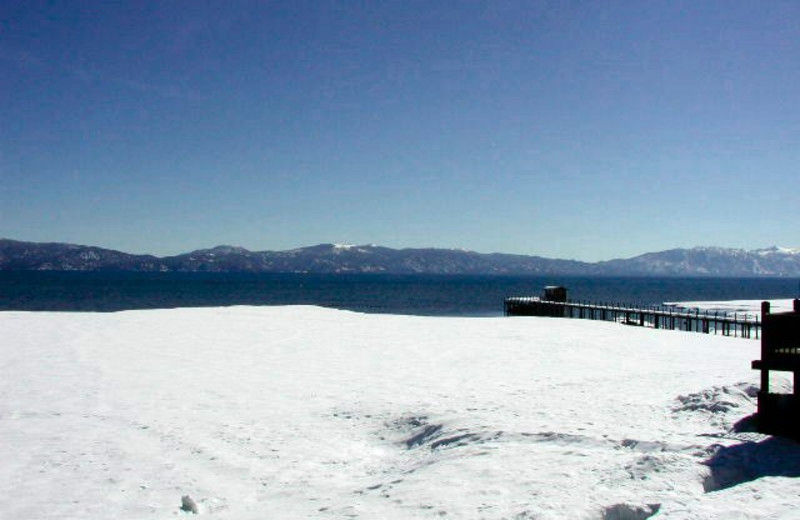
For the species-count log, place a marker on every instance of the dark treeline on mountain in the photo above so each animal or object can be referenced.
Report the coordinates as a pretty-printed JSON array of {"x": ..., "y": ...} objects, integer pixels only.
[{"x": 332, "y": 258}]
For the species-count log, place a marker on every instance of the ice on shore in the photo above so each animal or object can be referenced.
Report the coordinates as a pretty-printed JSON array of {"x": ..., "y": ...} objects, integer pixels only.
[
  {"x": 749, "y": 307},
  {"x": 304, "y": 412}
]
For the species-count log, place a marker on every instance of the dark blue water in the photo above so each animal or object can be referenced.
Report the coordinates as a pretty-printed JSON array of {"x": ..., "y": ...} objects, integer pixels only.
[{"x": 396, "y": 294}]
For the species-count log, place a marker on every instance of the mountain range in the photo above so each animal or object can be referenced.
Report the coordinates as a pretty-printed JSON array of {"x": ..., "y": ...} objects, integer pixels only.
[{"x": 335, "y": 258}]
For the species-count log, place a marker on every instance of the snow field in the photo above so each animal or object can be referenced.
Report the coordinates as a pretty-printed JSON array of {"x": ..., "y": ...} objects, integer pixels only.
[
  {"x": 304, "y": 412},
  {"x": 750, "y": 307}
]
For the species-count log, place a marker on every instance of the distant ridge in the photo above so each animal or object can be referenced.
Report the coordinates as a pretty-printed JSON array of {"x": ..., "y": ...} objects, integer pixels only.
[{"x": 336, "y": 258}]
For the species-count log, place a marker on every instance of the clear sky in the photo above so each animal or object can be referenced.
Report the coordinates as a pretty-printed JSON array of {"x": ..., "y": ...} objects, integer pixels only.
[{"x": 587, "y": 130}]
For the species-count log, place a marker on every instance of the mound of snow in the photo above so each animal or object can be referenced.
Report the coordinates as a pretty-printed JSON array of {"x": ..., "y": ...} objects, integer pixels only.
[
  {"x": 630, "y": 511},
  {"x": 719, "y": 399}
]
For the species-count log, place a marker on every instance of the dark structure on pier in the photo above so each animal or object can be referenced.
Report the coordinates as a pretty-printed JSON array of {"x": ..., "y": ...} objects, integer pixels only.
[
  {"x": 554, "y": 303},
  {"x": 555, "y": 293},
  {"x": 779, "y": 414}
]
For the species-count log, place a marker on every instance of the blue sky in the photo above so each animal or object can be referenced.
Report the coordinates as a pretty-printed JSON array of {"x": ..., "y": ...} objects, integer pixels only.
[{"x": 587, "y": 130}]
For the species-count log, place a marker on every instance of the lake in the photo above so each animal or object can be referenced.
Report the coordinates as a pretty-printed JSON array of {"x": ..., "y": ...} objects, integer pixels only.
[{"x": 430, "y": 295}]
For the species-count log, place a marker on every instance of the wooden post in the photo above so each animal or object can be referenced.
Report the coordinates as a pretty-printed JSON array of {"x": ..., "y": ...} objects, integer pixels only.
[
  {"x": 764, "y": 351},
  {"x": 716, "y": 324}
]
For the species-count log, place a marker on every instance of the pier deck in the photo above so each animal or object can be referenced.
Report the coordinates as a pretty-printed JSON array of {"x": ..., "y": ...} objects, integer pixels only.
[{"x": 743, "y": 325}]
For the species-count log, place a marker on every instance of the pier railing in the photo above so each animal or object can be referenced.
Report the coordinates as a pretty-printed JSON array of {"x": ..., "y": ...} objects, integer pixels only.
[{"x": 743, "y": 325}]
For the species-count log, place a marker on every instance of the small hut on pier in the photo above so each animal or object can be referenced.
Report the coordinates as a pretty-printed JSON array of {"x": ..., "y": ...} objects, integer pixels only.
[
  {"x": 555, "y": 293},
  {"x": 551, "y": 303}
]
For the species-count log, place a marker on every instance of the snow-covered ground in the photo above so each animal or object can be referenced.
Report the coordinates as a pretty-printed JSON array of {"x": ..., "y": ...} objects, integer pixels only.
[
  {"x": 304, "y": 412},
  {"x": 750, "y": 307}
]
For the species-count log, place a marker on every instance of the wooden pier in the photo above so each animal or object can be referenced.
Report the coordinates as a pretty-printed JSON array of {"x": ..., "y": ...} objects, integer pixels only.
[{"x": 743, "y": 325}]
